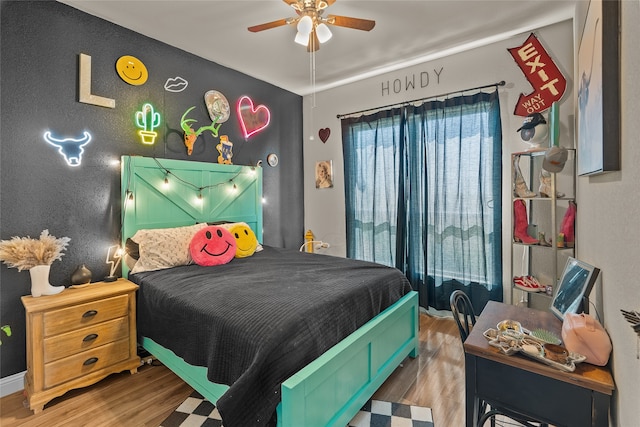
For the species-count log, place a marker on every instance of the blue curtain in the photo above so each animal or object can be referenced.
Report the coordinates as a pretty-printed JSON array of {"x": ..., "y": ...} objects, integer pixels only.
[{"x": 423, "y": 194}]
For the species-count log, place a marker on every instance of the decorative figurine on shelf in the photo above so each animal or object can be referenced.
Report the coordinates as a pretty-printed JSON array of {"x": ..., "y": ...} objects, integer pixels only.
[
  {"x": 534, "y": 130},
  {"x": 225, "y": 148}
]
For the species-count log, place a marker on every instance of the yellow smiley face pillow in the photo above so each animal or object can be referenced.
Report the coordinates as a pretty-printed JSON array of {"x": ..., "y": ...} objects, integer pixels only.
[{"x": 246, "y": 241}]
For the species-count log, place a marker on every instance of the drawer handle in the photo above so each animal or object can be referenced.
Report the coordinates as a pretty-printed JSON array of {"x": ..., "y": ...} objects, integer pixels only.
[
  {"x": 90, "y": 361},
  {"x": 90, "y": 313},
  {"x": 90, "y": 337}
]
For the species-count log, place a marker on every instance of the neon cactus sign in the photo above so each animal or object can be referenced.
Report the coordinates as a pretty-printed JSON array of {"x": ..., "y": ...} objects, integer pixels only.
[
  {"x": 252, "y": 119},
  {"x": 70, "y": 148},
  {"x": 147, "y": 120}
]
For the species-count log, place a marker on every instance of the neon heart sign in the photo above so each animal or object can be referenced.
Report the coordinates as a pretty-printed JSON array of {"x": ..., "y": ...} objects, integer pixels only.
[{"x": 252, "y": 119}]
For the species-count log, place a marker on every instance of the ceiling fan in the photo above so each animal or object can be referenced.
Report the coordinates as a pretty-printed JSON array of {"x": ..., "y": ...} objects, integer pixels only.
[{"x": 311, "y": 25}]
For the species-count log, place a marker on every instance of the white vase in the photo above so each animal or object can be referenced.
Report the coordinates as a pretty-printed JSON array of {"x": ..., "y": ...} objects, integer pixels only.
[{"x": 40, "y": 281}]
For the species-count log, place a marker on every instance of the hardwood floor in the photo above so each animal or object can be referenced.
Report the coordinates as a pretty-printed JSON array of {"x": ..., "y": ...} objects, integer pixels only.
[{"x": 434, "y": 379}]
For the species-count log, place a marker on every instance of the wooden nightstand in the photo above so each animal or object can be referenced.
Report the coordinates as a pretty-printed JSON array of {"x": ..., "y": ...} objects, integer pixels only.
[{"x": 78, "y": 337}]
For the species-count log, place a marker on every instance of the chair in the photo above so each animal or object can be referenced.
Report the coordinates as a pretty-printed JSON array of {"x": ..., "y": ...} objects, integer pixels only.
[
  {"x": 461, "y": 306},
  {"x": 465, "y": 318}
]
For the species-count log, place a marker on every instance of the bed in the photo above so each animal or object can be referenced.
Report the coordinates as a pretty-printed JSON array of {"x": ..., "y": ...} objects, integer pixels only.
[{"x": 330, "y": 362}]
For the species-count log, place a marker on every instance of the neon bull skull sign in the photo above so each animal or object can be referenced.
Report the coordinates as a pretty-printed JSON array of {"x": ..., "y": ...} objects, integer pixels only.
[{"x": 70, "y": 148}]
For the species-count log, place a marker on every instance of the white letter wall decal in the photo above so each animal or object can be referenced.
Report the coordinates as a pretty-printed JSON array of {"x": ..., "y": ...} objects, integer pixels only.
[{"x": 84, "y": 86}]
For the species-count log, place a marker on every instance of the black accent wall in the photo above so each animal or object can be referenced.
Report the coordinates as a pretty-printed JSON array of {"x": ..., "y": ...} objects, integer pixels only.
[{"x": 40, "y": 46}]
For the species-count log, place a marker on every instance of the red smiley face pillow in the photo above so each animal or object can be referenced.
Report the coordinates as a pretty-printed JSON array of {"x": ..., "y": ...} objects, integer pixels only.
[{"x": 212, "y": 245}]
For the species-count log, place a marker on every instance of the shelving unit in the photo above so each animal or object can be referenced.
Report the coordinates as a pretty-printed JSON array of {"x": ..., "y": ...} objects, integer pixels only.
[{"x": 544, "y": 214}]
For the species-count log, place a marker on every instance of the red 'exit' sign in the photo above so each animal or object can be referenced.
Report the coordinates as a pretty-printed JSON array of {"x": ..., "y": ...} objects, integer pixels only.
[{"x": 548, "y": 82}]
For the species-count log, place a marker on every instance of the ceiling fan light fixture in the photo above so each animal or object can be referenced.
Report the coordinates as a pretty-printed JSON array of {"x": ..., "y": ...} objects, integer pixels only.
[
  {"x": 305, "y": 25},
  {"x": 323, "y": 32},
  {"x": 301, "y": 39}
]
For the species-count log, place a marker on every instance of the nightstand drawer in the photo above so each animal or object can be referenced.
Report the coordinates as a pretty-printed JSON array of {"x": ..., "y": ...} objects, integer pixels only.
[
  {"x": 78, "y": 316},
  {"x": 63, "y": 345},
  {"x": 85, "y": 363}
]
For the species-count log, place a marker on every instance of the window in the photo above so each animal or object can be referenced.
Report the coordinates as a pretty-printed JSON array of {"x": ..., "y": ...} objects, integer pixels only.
[{"x": 422, "y": 191}]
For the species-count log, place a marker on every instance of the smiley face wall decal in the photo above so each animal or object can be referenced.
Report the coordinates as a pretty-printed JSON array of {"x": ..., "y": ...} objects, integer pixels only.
[
  {"x": 132, "y": 70},
  {"x": 212, "y": 245}
]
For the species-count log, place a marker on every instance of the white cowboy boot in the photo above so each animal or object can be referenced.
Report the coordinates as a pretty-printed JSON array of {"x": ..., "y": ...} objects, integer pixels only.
[
  {"x": 520, "y": 188},
  {"x": 545, "y": 185},
  {"x": 40, "y": 281}
]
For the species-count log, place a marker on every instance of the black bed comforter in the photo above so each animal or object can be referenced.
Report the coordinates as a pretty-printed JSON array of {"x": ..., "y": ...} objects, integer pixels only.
[{"x": 256, "y": 321}]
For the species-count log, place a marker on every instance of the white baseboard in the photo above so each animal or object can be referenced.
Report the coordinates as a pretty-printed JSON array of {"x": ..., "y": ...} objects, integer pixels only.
[{"x": 11, "y": 384}]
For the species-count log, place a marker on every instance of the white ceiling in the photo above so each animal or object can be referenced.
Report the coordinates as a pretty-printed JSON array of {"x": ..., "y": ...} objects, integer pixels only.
[{"x": 406, "y": 33}]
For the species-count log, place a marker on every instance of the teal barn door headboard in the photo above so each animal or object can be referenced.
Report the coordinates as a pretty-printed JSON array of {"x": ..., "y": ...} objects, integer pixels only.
[{"x": 163, "y": 193}]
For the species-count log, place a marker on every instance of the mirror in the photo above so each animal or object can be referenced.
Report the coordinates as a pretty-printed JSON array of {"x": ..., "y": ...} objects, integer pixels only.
[{"x": 576, "y": 282}]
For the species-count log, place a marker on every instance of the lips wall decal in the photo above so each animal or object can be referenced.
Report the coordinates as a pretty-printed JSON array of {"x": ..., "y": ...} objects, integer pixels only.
[
  {"x": 252, "y": 119},
  {"x": 324, "y": 134}
]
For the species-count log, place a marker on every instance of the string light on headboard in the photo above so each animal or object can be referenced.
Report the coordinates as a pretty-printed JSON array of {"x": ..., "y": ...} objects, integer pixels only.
[
  {"x": 168, "y": 177},
  {"x": 233, "y": 187}
]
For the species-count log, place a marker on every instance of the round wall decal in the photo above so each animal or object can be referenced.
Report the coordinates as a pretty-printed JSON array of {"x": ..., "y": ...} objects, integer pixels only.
[
  {"x": 272, "y": 159},
  {"x": 132, "y": 70}
]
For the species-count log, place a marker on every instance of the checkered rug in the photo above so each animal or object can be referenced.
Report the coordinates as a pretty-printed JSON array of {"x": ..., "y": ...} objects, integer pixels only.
[{"x": 196, "y": 411}]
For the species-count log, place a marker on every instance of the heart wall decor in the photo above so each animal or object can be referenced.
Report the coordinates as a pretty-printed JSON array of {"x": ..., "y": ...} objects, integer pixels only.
[
  {"x": 324, "y": 134},
  {"x": 252, "y": 119}
]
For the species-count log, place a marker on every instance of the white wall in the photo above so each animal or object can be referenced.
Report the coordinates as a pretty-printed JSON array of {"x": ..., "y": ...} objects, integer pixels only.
[
  {"x": 607, "y": 228},
  {"x": 606, "y": 231},
  {"x": 324, "y": 209}
]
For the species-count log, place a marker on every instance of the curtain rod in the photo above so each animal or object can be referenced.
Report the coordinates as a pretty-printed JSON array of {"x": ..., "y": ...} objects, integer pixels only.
[{"x": 500, "y": 83}]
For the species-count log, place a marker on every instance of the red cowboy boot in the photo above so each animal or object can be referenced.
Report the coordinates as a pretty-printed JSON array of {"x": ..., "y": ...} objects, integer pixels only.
[
  {"x": 568, "y": 225},
  {"x": 520, "y": 223}
]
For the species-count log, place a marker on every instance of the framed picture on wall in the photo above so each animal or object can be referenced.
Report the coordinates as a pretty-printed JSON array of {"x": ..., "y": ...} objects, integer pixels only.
[
  {"x": 324, "y": 174},
  {"x": 598, "y": 108}
]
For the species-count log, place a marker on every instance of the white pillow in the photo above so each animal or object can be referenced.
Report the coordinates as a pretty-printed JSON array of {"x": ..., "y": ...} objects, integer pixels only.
[{"x": 164, "y": 247}]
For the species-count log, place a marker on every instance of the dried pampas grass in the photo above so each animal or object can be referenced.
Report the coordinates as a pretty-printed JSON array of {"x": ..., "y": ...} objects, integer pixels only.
[{"x": 24, "y": 252}]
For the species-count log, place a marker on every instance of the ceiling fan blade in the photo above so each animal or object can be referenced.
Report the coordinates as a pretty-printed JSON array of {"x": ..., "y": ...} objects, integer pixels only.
[
  {"x": 268, "y": 25},
  {"x": 314, "y": 43},
  {"x": 355, "y": 23}
]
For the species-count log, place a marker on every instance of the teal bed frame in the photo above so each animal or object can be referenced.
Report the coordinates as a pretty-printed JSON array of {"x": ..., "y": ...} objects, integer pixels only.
[{"x": 330, "y": 390}]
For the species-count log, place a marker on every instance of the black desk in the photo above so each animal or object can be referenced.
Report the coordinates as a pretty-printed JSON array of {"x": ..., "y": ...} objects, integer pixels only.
[{"x": 572, "y": 399}]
